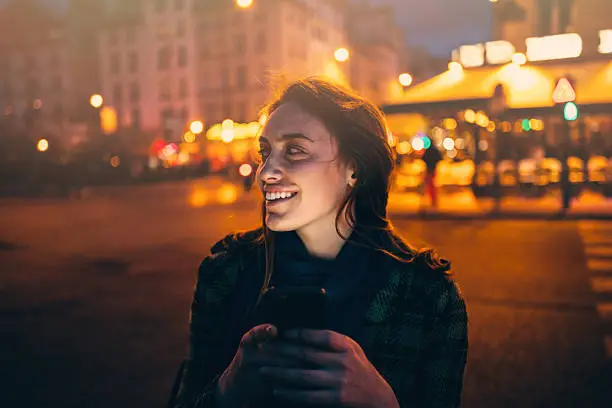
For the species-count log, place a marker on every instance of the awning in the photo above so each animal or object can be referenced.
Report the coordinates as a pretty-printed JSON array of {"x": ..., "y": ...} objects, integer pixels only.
[{"x": 528, "y": 86}]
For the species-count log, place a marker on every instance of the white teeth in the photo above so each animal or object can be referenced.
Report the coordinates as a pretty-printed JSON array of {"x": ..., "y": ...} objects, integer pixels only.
[{"x": 277, "y": 196}]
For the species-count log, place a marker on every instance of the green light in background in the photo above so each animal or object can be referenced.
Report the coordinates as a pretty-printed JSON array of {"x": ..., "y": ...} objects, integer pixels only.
[
  {"x": 570, "y": 111},
  {"x": 526, "y": 125}
]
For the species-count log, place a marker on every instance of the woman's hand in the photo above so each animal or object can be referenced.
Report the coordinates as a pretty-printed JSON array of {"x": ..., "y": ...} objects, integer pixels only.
[
  {"x": 341, "y": 374},
  {"x": 242, "y": 382}
]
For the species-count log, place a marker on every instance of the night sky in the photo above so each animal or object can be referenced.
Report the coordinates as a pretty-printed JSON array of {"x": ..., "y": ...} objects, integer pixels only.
[{"x": 438, "y": 25}]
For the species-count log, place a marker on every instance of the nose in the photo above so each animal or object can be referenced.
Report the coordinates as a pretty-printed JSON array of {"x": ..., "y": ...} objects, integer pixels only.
[{"x": 270, "y": 171}]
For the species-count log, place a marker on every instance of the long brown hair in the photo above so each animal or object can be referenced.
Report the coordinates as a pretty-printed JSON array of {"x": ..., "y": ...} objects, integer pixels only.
[{"x": 360, "y": 130}]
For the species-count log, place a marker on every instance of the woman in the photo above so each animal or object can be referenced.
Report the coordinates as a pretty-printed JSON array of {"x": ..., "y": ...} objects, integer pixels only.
[{"x": 397, "y": 334}]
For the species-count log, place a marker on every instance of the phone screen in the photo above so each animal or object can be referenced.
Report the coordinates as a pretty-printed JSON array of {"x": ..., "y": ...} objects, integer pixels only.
[{"x": 295, "y": 307}]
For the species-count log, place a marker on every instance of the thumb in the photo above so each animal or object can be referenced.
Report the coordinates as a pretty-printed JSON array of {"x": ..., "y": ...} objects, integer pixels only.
[{"x": 259, "y": 334}]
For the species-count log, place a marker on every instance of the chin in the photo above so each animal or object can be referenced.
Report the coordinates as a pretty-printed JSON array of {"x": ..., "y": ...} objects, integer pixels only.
[{"x": 279, "y": 223}]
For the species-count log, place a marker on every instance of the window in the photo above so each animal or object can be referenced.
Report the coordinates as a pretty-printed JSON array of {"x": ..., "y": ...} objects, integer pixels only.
[
  {"x": 545, "y": 10},
  {"x": 164, "y": 90},
  {"x": 183, "y": 88},
  {"x": 241, "y": 74},
  {"x": 133, "y": 62},
  {"x": 163, "y": 58},
  {"x": 117, "y": 94},
  {"x": 260, "y": 42},
  {"x": 179, "y": 4},
  {"x": 115, "y": 63},
  {"x": 241, "y": 114},
  {"x": 56, "y": 84},
  {"x": 565, "y": 15},
  {"x": 227, "y": 110},
  {"x": 58, "y": 112},
  {"x": 211, "y": 112},
  {"x": 240, "y": 43},
  {"x": 134, "y": 92},
  {"x": 225, "y": 82},
  {"x": 160, "y": 6},
  {"x": 136, "y": 118},
  {"x": 182, "y": 57},
  {"x": 33, "y": 88},
  {"x": 180, "y": 28}
]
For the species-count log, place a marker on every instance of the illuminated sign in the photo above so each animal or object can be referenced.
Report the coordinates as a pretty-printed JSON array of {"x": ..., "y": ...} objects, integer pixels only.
[
  {"x": 472, "y": 55},
  {"x": 554, "y": 47},
  {"x": 564, "y": 92},
  {"x": 605, "y": 41},
  {"x": 499, "y": 52}
]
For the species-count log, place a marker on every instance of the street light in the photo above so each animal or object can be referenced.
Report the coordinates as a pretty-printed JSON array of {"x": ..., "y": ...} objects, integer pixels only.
[
  {"x": 405, "y": 79},
  {"x": 244, "y": 3},
  {"x": 341, "y": 54},
  {"x": 43, "y": 145},
  {"x": 196, "y": 127},
  {"x": 96, "y": 100}
]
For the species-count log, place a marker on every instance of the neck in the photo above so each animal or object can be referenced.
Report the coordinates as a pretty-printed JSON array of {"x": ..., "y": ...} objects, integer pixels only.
[{"x": 321, "y": 238}]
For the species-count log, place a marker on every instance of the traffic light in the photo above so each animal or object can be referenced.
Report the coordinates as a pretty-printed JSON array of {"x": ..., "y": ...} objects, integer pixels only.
[{"x": 570, "y": 111}]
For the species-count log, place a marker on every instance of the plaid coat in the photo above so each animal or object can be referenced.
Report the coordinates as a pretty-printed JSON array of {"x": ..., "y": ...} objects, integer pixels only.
[{"x": 415, "y": 328}]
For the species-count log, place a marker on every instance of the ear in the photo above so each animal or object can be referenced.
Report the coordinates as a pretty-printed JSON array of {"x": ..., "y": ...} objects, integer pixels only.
[{"x": 351, "y": 175}]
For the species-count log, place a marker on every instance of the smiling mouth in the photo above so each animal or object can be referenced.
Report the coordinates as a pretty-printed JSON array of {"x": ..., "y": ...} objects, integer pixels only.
[{"x": 277, "y": 198}]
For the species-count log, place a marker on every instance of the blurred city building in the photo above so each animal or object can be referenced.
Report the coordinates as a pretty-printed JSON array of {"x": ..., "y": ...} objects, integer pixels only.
[{"x": 47, "y": 68}]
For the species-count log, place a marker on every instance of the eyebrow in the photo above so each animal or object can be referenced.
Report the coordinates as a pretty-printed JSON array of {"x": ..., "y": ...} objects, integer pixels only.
[{"x": 289, "y": 136}]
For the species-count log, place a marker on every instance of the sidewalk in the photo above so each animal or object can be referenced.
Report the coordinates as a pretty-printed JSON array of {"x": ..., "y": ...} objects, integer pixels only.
[{"x": 464, "y": 205}]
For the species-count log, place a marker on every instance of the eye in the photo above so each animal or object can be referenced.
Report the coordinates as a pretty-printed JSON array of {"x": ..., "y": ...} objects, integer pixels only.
[{"x": 295, "y": 150}]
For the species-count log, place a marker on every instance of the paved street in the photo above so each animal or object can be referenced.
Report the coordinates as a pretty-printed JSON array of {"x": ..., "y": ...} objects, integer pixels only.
[{"x": 95, "y": 295}]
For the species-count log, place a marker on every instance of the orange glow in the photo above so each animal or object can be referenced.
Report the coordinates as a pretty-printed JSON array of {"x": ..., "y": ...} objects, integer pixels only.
[
  {"x": 519, "y": 58},
  {"x": 115, "y": 161},
  {"x": 196, "y": 127},
  {"x": 405, "y": 79},
  {"x": 198, "y": 198},
  {"x": 227, "y": 194},
  {"x": 96, "y": 100},
  {"x": 189, "y": 137},
  {"x": 244, "y": 3},
  {"x": 470, "y": 116},
  {"x": 245, "y": 170},
  {"x": 37, "y": 104},
  {"x": 43, "y": 145},
  {"x": 341, "y": 54}
]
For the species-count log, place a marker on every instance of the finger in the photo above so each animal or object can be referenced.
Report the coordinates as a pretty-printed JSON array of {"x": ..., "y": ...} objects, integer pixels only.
[
  {"x": 303, "y": 353},
  {"x": 319, "y": 338},
  {"x": 303, "y": 378},
  {"x": 309, "y": 397},
  {"x": 258, "y": 334}
]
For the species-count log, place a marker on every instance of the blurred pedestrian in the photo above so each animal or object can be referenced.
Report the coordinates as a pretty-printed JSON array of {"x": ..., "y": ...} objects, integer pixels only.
[
  {"x": 396, "y": 331},
  {"x": 431, "y": 157}
]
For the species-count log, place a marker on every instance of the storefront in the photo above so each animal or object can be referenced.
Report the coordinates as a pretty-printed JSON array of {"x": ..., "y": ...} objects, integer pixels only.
[{"x": 494, "y": 104}]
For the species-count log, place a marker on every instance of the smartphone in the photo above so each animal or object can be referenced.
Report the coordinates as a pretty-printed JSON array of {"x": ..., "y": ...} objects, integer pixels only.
[{"x": 295, "y": 307}]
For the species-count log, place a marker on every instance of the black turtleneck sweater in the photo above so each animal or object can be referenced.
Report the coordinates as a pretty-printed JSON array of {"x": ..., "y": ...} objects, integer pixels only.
[{"x": 350, "y": 280}]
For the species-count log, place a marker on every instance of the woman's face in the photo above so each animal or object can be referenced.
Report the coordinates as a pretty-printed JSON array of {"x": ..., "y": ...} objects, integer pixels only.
[{"x": 300, "y": 163}]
